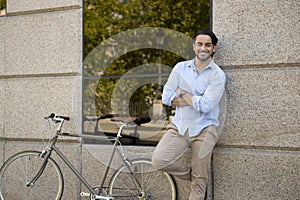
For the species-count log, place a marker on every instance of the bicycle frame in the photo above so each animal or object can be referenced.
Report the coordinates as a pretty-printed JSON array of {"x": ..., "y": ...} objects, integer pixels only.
[
  {"x": 46, "y": 153},
  {"x": 133, "y": 179}
]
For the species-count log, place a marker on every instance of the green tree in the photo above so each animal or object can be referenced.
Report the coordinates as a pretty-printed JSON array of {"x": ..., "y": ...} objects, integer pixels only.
[
  {"x": 2, "y": 4},
  {"x": 104, "y": 19}
]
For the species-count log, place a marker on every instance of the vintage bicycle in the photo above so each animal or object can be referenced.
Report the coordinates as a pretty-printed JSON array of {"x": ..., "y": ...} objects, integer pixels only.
[{"x": 34, "y": 174}]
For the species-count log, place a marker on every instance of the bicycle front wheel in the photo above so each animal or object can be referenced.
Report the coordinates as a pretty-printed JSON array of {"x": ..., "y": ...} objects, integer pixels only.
[
  {"x": 20, "y": 168},
  {"x": 154, "y": 185}
]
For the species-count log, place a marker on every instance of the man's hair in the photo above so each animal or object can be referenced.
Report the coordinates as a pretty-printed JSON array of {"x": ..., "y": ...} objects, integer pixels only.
[{"x": 213, "y": 37}]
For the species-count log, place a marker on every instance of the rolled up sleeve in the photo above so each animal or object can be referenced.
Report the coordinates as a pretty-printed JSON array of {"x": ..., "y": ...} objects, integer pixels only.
[
  {"x": 212, "y": 95},
  {"x": 168, "y": 97},
  {"x": 170, "y": 87}
]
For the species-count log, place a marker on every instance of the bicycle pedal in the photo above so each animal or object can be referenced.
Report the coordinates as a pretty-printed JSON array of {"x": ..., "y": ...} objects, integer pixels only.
[
  {"x": 97, "y": 197},
  {"x": 85, "y": 194}
]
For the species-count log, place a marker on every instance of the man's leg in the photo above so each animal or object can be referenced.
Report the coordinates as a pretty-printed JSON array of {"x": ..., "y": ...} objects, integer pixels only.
[
  {"x": 169, "y": 149},
  {"x": 202, "y": 148}
]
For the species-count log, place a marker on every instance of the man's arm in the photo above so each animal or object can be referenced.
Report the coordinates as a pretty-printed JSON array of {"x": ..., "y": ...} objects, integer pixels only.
[
  {"x": 182, "y": 99},
  {"x": 179, "y": 101},
  {"x": 212, "y": 96},
  {"x": 169, "y": 95}
]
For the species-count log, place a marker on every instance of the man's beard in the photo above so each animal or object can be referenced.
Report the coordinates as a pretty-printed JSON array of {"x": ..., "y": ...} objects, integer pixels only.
[{"x": 201, "y": 58}]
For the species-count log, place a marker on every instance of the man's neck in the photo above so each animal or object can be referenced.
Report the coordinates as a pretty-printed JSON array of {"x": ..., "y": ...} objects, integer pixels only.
[{"x": 200, "y": 65}]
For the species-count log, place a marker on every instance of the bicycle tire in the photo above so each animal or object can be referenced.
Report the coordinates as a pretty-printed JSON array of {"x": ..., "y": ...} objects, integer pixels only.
[
  {"x": 155, "y": 185},
  {"x": 20, "y": 168}
]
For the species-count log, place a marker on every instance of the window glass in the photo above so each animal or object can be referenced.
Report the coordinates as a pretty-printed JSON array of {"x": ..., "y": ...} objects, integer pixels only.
[
  {"x": 2, "y": 8},
  {"x": 130, "y": 47}
]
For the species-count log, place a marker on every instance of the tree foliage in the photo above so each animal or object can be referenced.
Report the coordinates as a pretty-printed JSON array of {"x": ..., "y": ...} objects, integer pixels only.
[
  {"x": 104, "y": 19},
  {"x": 2, "y": 4}
]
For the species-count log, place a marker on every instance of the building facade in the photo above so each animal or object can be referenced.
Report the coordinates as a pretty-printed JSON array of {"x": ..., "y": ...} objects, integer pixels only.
[{"x": 258, "y": 154}]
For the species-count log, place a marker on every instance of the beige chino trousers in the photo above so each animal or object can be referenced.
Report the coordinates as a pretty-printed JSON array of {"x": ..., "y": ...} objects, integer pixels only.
[{"x": 172, "y": 146}]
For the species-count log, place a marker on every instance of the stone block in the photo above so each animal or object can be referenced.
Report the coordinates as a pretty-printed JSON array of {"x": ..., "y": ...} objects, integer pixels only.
[
  {"x": 71, "y": 151},
  {"x": 256, "y": 32},
  {"x": 2, "y": 64},
  {"x": 2, "y": 144},
  {"x": 32, "y": 5},
  {"x": 263, "y": 107},
  {"x": 2, "y": 46},
  {"x": 44, "y": 43},
  {"x": 256, "y": 174},
  {"x": 28, "y": 101},
  {"x": 2, "y": 117}
]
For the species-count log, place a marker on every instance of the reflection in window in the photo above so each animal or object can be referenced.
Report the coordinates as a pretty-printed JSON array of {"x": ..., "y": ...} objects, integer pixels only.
[
  {"x": 2, "y": 7},
  {"x": 130, "y": 48}
]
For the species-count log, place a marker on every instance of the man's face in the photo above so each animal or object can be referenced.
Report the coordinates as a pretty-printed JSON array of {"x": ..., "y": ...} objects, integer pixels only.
[{"x": 203, "y": 47}]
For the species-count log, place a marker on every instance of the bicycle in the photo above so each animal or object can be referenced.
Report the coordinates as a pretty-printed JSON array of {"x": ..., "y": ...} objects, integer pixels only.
[{"x": 34, "y": 174}]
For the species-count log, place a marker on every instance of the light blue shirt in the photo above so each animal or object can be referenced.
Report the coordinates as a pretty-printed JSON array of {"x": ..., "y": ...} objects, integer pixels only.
[{"x": 207, "y": 88}]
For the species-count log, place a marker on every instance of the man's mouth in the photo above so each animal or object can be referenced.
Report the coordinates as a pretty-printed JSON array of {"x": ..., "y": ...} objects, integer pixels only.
[{"x": 203, "y": 53}]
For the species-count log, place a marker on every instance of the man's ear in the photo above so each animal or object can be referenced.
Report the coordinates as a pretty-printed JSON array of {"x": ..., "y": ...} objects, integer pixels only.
[{"x": 215, "y": 48}]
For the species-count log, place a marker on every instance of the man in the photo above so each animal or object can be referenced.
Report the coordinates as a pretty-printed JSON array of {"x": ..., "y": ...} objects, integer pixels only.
[{"x": 195, "y": 87}]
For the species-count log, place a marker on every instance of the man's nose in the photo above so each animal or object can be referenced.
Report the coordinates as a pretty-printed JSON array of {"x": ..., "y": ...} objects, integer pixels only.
[{"x": 202, "y": 47}]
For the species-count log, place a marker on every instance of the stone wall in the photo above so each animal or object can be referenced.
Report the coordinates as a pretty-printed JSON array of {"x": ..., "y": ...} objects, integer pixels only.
[
  {"x": 40, "y": 73},
  {"x": 258, "y": 155}
]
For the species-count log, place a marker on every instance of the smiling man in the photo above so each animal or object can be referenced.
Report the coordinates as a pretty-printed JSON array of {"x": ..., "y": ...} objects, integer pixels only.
[{"x": 195, "y": 87}]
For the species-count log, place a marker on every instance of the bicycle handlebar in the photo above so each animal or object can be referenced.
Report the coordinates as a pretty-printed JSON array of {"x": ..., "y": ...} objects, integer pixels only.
[
  {"x": 114, "y": 117},
  {"x": 57, "y": 118}
]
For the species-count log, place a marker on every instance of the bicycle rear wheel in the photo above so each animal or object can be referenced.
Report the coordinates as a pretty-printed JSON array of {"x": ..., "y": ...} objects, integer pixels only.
[
  {"x": 155, "y": 185},
  {"x": 20, "y": 168}
]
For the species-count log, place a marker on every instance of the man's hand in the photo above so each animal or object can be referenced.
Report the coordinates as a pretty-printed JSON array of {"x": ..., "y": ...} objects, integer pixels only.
[
  {"x": 178, "y": 101},
  {"x": 178, "y": 90},
  {"x": 184, "y": 98}
]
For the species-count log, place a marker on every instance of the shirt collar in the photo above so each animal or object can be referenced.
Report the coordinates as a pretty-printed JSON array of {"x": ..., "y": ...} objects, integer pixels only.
[{"x": 193, "y": 66}]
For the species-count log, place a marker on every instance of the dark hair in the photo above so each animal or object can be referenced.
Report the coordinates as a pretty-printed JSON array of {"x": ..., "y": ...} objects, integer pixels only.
[{"x": 213, "y": 37}]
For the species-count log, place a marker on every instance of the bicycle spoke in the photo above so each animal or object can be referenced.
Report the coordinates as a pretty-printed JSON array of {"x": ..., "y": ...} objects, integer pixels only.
[
  {"x": 155, "y": 185},
  {"x": 18, "y": 170}
]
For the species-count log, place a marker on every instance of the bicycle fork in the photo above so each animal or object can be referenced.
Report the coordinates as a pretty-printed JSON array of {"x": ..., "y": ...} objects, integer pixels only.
[{"x": 45, "y": 154}]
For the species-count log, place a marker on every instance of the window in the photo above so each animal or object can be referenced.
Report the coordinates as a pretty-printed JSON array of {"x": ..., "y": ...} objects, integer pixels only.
[
  {"x": 2, "y": 8},
  {"x": 130, "y": 48}
]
